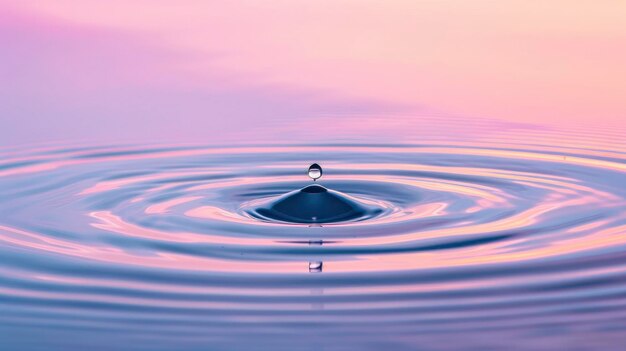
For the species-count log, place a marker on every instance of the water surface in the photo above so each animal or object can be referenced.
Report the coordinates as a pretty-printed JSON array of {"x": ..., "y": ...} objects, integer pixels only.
[{"x": 515, "y": 241}]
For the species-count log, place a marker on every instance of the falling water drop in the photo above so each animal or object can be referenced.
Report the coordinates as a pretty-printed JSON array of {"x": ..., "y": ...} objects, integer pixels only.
[
  {"x": 316, "y": 266},
  {"x": 315, "y": 171}
]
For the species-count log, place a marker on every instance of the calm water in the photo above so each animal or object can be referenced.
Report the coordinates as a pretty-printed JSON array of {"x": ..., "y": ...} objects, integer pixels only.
[{"x": 514, "y": 240}]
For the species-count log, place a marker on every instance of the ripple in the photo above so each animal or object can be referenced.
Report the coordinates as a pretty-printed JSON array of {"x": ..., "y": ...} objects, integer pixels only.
[{"x": 462, "y": 237}]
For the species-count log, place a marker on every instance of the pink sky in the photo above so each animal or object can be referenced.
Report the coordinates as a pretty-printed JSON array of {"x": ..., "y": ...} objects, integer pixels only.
[{"x": 192, "y": 70}]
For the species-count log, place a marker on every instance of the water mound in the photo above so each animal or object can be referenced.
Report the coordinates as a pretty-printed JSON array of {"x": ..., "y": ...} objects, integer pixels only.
[{"x": 315, "y": 204}]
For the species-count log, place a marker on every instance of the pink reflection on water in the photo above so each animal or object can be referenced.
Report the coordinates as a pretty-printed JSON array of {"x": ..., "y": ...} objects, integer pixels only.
[
  {"x": 119, "y": 183},
  {"x": 486, "y": 254},
  {"x": 469, "y": 150},
  {"x": 157, "y": 259},
  {"x": 29, "y": 169},
  {"x": 164, "y": 207},
  {"x": 110, "y": 222}
]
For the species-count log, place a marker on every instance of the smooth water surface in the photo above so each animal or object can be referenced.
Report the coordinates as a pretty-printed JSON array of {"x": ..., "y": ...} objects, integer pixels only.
[{"x": 513, "y": 242}]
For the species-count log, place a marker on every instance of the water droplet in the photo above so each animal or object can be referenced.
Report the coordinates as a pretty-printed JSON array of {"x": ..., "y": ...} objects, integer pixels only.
[
  {"x": 315, "y": 267},
  {"x": 315, "y": 171}
]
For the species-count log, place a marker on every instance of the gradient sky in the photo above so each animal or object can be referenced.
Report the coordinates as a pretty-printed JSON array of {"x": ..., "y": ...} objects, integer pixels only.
[{"x": 228, "y": 71}]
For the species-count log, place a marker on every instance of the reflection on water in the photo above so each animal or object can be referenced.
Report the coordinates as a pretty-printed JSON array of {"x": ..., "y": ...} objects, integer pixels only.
[{"x": 497, "y": 242}]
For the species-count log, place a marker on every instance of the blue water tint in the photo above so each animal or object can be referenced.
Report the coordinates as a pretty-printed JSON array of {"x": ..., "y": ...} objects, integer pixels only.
[
  {"x": 314, "y": 204},
  {"x": 414, "y": 247}
]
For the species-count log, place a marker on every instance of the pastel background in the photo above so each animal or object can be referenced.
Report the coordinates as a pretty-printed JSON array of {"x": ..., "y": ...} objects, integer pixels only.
[{"x": 216, "y": 70}]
